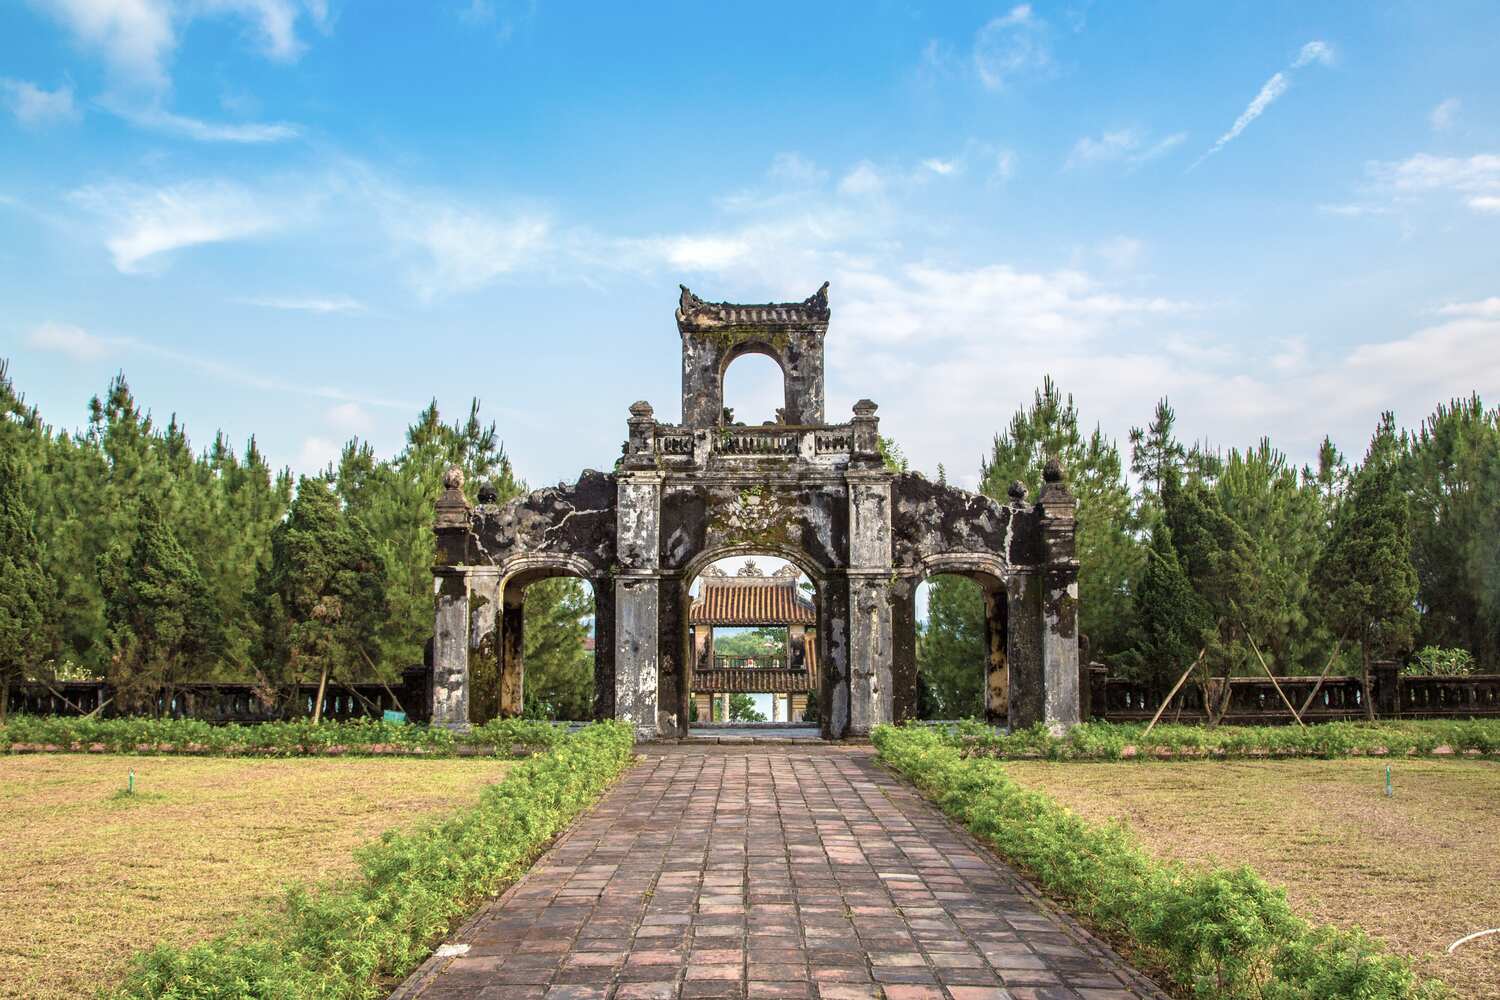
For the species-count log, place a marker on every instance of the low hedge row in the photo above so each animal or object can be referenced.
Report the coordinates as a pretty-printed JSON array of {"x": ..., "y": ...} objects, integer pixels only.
[
  {"x": 287, "y": 739},
  {"x": 354, "y": 939},
  {"x": 1116, "y": 741},
  {"x": 1221, "y": 933}
]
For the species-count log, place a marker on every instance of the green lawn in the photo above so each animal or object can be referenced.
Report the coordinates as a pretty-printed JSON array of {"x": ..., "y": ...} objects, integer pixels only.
[
  {"x": 1418, "y": 870},
  {"x": 92, "y": 875}
]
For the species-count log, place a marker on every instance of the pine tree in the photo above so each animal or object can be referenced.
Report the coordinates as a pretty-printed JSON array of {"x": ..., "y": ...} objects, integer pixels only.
[
  {"x": 163, "y": 626},
  {"x": 1172, "y": 622},
  {"x": 559, "y": 682},
  {"x": 1365, "y": 578},
  {"x": 1155, "y": 452},
  {"x": 1109, "y": 553},
  {"x": 322, "y": 596},
  {"x": 952, "y": 650},
  {"x": 24, "y": 590}
]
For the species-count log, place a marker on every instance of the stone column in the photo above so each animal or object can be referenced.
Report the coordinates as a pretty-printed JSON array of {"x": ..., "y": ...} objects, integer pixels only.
[
  {"x": 904, "y": 649},
  {"x": 637, "y": 590},
  {"x": 1025, "y": 703},
  {"x": 871, "y": 654},
  {"x": 484, "y": 645},
  {"x": 450, "y": 630},
  {"x": 833, "y": 656},
  {"x": 997, "y": 670},
  {"x": 1059, "y": 602},
  {"x": 512, "y": 687}
]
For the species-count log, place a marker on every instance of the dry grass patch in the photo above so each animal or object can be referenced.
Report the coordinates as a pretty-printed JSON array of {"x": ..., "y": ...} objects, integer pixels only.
[
  {"x": 1417, "y": 870},
  {"x": 91, "y": 875}
]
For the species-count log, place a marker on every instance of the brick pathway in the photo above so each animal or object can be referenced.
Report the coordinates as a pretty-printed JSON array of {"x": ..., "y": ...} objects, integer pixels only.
[{"x": 771, "y": 871}]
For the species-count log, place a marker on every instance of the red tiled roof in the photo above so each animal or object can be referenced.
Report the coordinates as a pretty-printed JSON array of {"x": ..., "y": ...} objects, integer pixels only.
[{"x": 739, "y": 600}]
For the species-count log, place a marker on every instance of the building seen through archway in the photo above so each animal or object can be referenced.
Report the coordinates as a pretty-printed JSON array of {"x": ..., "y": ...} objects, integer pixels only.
[
  {"x": 754, "y": 643},
  {"x": 799, "y": 489}
]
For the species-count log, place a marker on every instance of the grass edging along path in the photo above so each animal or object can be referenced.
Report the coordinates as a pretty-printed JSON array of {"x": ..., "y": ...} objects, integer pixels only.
[
  {"x": 352, "y": 939},
  {"x": 301, "y": 737},
  {"x": 1222, "y": 933},
  {"x": 1126, "y": 741}
]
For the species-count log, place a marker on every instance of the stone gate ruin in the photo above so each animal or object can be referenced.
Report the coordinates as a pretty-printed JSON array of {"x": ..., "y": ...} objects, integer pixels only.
[{"x": 813, "y": 493}]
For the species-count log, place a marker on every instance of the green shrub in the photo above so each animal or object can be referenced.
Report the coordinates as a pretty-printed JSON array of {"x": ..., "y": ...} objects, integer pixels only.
[
  {"x": 1108, "y": 740},
  {"x": 1438, "y": 661},
  {"x": 291, "y": 738},
  {"x": 1220, "y": 933},
  {"x": 352, "y": 940}
]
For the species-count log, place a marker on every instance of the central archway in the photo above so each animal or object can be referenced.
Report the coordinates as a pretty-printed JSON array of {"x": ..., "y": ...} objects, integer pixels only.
[{"x": 792, "y": 677}]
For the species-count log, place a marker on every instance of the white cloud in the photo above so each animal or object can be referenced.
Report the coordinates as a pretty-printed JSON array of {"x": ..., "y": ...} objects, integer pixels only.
[
  {"x": 1475, "y": 178},
  {"x": 317, "y": 454},
  {"x": 75, "y": 342},
  {"x": 1005, "y": 166},
  {"x": 137, "y": 38},
  {"x": 141, "y": 223},
  {"x": 34, "y": 106},
  {"x": 943, "y": 168},
  {"x": 1010, "y": 46},
  {"x": 864, "y": 180},
  {"x": 159, "y": 120},
  {"x": 321, "y": 305},
  {"x": 1121, "y": 253},
  {"x": 349, "y": 417},
  {"x": 461, "y": 250},
  {"x": 795, "y": 169},
  {"x": 1121, "y": 145},
  {"x": 1312, "y": 52},
  {"x": 1444, "y": 115},
  {"x": 1483, "y": 309}
]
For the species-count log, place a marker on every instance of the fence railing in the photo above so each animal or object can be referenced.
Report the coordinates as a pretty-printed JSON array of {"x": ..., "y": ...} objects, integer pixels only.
[
  {"x": 226, "y": 702},
  {"x": 766, "y": 441},
  {"x": 1254, "y": 700},
  {"x": 749, "y": 662}
]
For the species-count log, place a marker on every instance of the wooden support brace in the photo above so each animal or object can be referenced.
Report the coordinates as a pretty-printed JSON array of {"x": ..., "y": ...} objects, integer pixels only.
[
  {"x": 1173, "y": 693},
  {"x": 1274, "y": 683}
]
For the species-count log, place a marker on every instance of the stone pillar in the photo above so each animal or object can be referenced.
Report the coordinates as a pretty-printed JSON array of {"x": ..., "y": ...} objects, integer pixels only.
[
  {"x": 997, "y": 669},
  {"x": 637, "y": 600},
  {"x": 450, "y": 629},
  {"x": 904, "y": 649},
  {"x": 1025, "y": 703},
  {"x": 604, "y": 647},
  {"x": 484, "y": 645},
  {"x": 833, "y": 656},
  {"x": 512, "y": 688},
  {"x": 1059, "y": 603},
  {"x": 871, "y": 653}
]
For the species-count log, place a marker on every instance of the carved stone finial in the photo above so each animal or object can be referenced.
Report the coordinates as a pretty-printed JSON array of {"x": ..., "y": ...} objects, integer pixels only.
[
  {"x": 865, "y": 408},
  {"x": 1017, "y": 491},
  {"x": 687, "y": 301},
  {"x": 1052, "y": 472},
  {"x": 819, "y": 299},
  {"x": 787, "y": 572},
  {"x": 750, "y": 569},
  {"x": 713, "y": 570},
  {"x": 641, "y": 409},
  {"x": 488, "y": 493},
  {"x": 453, "y": 478}
]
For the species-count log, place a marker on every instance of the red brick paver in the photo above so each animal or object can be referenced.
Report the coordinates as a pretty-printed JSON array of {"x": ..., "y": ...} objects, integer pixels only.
[{"x": 771, "y": 871}]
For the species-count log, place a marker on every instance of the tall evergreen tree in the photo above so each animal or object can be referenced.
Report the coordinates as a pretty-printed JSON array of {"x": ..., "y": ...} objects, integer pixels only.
[
  {"x": 559, "y": 682},
  {"x": 1155, "y": 452},
  {"x": 952, "y": 650},
  {"x": 163, "y": 626},
  {"x": 322, "y": 595},
  {"x": 1172, "y": 621},
  {"x": 1451, "y": 470},
  {"x": 1109, "y": 553},
  {"x": 1365, "y": 577},
  {"x": 24, "y": 590}
]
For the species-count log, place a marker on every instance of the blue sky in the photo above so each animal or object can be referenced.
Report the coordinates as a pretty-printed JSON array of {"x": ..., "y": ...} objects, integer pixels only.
[{"x": 303, "y": 220}]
